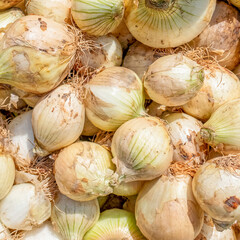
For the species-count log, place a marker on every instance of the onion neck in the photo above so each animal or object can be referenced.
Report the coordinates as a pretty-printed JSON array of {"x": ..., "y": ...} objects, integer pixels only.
[
  {"x": 207, "y": 135},
  {"x": 159, "y": 4}
]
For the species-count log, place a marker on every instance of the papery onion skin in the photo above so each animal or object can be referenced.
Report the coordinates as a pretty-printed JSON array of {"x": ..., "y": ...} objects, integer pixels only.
[
  {"x": 215, "y": 187},
  {"x": 142, "y": 149},
  {"x": 172, "y": 23},
  {"x": 173, "y": 80},
  {"x": 97, "y": 17},
  {"x": 57, "y": 120},
  {"x": 114, "y": 96},
  {"x": 173, "y": 212},
  {"x": 58, "y": 10},
  {"x": 73, "y": 219},
  {"x": 5, "y": 4},
  {"x": 36, "y": 54},
  {"x": 84, "y": 171},
  {"x": 220, "y": 86}
]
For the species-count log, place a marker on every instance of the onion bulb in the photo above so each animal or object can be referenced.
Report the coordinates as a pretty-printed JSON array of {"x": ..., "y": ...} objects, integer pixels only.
[
  {"x": 141, "y": 149},
  {"x": 114, "y": 96},
  {"x": 128, "y": 189},
  {"x": 89, "y": 129},
  {"x": 8, "y": 4},
  {"x": 173, "y": 80},
  {"x": 215, "y": 187},
  {"x": 73, "y": 219},
  {"x": 222, "y": 130},
  {"x": 7, "y": 18},
  {"x": 183, "y": 130},
  {"x": 84, "y": 171},
  {"x": 24, "y": 207},
  {"x": 97, "y": 17},
  {"x": 21, "y": 135},
  {"x": 58, "y": 10},
  {"x": 57, "y": 120},
  {"x": 36, "y": 54},
  {"x": 163, "y": 24},
  {"x": 220, "y": 86},
  {"x": 173, "y": 212},
  {"x": 222, "y": 35},
  {"x": 115, "y": 224},
  {"x": 235, "y": 3},
  {"x": 209, "y": 232}
]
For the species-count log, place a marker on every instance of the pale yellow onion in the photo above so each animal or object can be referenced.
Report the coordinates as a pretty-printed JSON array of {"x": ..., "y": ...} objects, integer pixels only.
[
  {"x": 114, "y": 96},
  {"x": 155, "y": 109},
  {"x": 21, "y": 136},
  {"x": 139, "y": 57},
  {"x": 7, "y": 18},
  {"x": 235, "y": 3},
  {"x": 222, "y": 130},
  {"x": 115, "y": 224},
  {"x": 220, "y": 86},
  {"x": 173, "y": 80},
  {"x": 215, "y": 187},
  {"x": 97, "y": 17},
  {"x": 73, "y": 219},
  {"x": 58, "y": 10},
  {"x": 163, "y": 24},
  {"x": 24, "y": 207},
  {"x": 184, "y": 130},
  {"x": 166, "y": 209},
  {"x": 142, "y": 149},
  {"x": 84, "y": 171},
  {"x": 7, "y": 174},
  {"x": 89, "y": 129},
  {"x": 222, "y": 36},
  {"x": 4, "y": 233},
  {"x": 237, "y": 71},
  {"x": 209, "y": 232},
  {"x": 5, "y": 4},
  {"x": 128, "y": 189},
  {"x": 107, "y": 52},
  {"x": 36, "y": 54},
  {"x": 57, "y": 120},
  {"x": 123, "y": 35}
]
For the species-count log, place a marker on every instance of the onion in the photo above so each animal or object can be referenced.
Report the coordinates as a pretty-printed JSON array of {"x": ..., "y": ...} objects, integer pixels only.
[
  {"x": 222, "y": 130},
  {"x": 184, "y": 130},
  {"x": 97, "y": 17},
  {"x": 115, "y": 224},
  {"x": 173, "y": 212},
  {"x": 128, "y": 189},
  {"x": 163, "y": 24},
  {"x": 57, "y": 120},
  {"x": 9, "y": 3},
  {"x": 222, "y": 36},
  {"x": 84, "y": 171},
  {"x": 58, "y": 10},
  {"x": 114, "y": 96},
  {"x": 7, "y": 18},
  {"x": 21, "y": 135},
  {"x": 73, "y": 219},
  {"x": 36, "y": 54},
  {"x": 215, "y": 187},
  {"x": 141, "y": 149},
  {"x": 173, "y": 80},
  {"x": 220, "y": 86},
  {"x": 89, "y": 129},
  {"x": 130, "y": 203}
]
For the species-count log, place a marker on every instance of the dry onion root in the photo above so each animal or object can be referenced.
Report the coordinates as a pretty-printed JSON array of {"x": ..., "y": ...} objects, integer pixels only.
[
  {"x": 36, "y": 54},
  {"x": 216, "y": 189},
  {"x": 5, "y": 4}
]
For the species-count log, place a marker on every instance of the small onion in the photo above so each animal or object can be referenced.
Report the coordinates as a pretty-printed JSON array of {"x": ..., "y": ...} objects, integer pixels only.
[
  {"x": 57, "y": 120},
  {"x": 84, "y": 171},
  {"x": 9, "y": 3},
  {"x": 115, "y": 224},
  {"x": 58, "y": 10},
  {"x": 220, "y": 86},
  {"x": 141, "y": 149},
  {"x": 21, "y": 135},
  {"x": 97, "y": 17},
  {"x": 128, "y": 189},
  {"x": 73, "y": 219},
  {"x": 24, "y": 207},
  {"x": 222, "y": 130},
  {"x": 89, "y": 129},
  {"x": 114, "y": 96},
  {"x": 166, "y": 209},
  {"x": 173, "y": 80},
  {"x": 183, "y": 130},
  {"x": 36, "y": 54},
  {"x": 215, "y": 187}
]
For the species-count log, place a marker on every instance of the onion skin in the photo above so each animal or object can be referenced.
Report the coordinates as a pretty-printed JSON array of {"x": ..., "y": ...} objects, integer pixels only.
[{"x": 5, "y": 4}]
